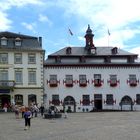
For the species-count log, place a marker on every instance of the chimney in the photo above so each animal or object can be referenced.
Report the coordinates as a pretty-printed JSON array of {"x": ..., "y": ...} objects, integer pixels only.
[{"x": 40, "y": 41}]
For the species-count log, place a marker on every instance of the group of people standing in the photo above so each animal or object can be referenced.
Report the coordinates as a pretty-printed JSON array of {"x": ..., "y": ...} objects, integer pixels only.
[{"x": 28, "y": 112}]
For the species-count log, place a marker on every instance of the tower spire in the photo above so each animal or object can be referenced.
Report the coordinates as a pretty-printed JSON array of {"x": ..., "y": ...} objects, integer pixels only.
[{"x": 89, "y": 37}]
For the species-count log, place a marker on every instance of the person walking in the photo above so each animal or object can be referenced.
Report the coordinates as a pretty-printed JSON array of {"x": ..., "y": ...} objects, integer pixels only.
[
  {"x": 42, "y": 110},
  {"x": 27, "y": 117}
]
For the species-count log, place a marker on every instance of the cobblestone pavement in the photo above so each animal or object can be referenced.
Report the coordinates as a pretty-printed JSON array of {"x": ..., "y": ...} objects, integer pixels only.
[{"x": 78, "y": 126}]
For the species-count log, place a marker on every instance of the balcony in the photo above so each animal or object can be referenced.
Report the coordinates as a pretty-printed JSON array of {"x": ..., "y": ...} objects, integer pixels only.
[
  {"x": 7, "y": 84},
  {"x": 56, "y": 102},
  {"x": 53, "y": 83},
  {"x": 97, "y": 83},
  {"x": 69, "y": 83},
  {"x": 83, "y": 83},
  {"x": 86, "y": 102},
  {"x": 113, "y": 83},
  {"x": 133, "y": 83}
]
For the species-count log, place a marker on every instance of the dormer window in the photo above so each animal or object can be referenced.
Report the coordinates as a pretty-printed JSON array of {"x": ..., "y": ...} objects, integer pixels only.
[
  {"x": 3, "y": 41},
  {"x": 107, "y": 59},
  {"x": 17, "y": 41},
  {"x": 58, "y": 59},
  {"x": 130, "y": 59},
  {"x": 114, "y": 50},
  {"x": 68, "y": 50},
  {"x": 82, "y": 59}
]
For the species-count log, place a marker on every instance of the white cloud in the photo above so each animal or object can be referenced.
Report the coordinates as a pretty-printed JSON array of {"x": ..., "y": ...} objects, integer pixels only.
[
  {"x": 30, "y": 26},
  {"x": 19, "y": 3},
  {"x": 111, "y": 14},
  {"x": 43, "y": 18},
  {"x": 5, "y": 23}
]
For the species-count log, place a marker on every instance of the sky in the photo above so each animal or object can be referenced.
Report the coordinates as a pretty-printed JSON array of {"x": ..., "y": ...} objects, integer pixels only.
[{"x": 52, "y": 19}]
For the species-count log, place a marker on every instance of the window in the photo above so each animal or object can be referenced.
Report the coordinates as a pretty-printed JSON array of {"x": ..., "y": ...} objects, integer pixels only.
[
  {"x": 4, "y": 78},
  {"x": 32, "y": 77},
  {"x": 18, "y": 77},
  {"x": 132, "y": 80},
  {"x": 82, "y": 80},
  {"x": 3, "y": 41},
  {"x": 82, "y": 59},
  {"x": 55, "y": 99},
  {"x": 69, "y": 80},
  {"x": 109, "y": 99},
  {"x": 68, "y": 50},
  {"x": 53, "y": 80},
  {"x": 97, "y": 80},
  {"x": 17, "y": 41},
  {"x": 113, "y": 80},
  {"x": 4, "y": 75},
  {"x": 19, "y": 99},
  {"x": 86, "y": 100},
  {"x": 57, "y": 59},
  {"x": 18, "y": 58},
  {"x": 31, "y": 58},
  {"x": 4, "y": 58},
  {"x": 138, "y": 99}
]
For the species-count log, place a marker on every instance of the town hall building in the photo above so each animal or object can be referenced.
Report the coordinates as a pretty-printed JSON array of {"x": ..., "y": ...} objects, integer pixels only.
[{"x": 82, "y": 79}]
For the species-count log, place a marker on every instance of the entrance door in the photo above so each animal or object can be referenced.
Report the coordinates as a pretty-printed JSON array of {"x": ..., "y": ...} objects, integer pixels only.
[
  {"x": 4, "y": 99},
  {"x": 69, "y": 104},
  {"x": 98, "y": 101}
]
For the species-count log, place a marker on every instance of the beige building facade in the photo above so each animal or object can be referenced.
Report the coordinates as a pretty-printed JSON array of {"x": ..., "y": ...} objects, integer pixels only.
[{"x": 21, "y": 69}]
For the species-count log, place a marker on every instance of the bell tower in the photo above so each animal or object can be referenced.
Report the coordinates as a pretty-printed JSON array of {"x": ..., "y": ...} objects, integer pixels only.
[{"x": 89, "y": 41}]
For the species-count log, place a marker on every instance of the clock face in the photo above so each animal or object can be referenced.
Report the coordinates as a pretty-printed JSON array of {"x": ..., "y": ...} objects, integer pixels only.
[{"x": 92, "y": 51}]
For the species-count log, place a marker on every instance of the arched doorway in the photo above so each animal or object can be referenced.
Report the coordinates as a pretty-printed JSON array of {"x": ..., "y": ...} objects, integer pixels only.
[
  {"x": 126, "y": 101},
  {"x": 19, "y": 99},
  {"x": 69, "y": 104},
  {"x": 32, "y": 99},
  {"x": 4, "y": 99}
]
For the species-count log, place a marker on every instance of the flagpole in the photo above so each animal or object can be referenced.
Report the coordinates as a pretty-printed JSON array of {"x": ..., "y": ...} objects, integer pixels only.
[
  {"x": 108, "y": 37},
  {"x": 70, "y": 33}
]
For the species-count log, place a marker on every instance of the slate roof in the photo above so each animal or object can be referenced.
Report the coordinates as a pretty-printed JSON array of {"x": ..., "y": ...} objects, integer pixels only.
[
  {"x": 100, "y": 51},
  {"x": 28, "y": 42}
]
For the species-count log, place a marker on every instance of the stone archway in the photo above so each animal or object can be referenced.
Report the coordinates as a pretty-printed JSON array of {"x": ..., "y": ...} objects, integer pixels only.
[
  {"x": 69, "y": 104},
  {"x": 126, "y": 101}
]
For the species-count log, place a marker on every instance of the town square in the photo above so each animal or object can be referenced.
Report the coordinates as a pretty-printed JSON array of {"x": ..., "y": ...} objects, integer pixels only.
[{"x": 78, "y": 126}]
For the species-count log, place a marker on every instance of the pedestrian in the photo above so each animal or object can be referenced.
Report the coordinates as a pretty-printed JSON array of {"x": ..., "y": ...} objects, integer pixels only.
[
  {"x": 5, "y": 107},
  {"x": 27, "y": 117},
  {"x": 22, "y": 109},
  {"x": 16, "y": 109},
  {"x": 65, "y": 114},
  {"x": 42, "y": 110}
]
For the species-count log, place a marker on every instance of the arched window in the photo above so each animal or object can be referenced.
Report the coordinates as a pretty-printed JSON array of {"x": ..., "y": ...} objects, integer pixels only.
[
  {"x": 32, "y": 99},
  {"x": 19, "y": 99}
]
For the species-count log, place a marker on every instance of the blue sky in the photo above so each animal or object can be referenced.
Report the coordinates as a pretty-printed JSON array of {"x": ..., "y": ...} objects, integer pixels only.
[{"x": 51, "y": 20}]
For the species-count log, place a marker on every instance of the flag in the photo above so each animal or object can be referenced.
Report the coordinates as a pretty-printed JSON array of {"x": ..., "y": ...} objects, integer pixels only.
[
  {"x": 70, "y": 32},
  {"x": 108, "y": 32}
]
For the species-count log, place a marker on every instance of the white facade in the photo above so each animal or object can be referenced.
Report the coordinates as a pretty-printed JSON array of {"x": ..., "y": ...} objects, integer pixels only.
[
  {"x": 122, "y": 89},
  {"x": 25, "y": 76},
  {"x": 110, "y": 78}
]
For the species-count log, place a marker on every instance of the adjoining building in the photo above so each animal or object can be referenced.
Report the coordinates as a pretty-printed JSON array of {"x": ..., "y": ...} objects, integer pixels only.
[
  {"x": 21, "y": 69},
  {"x": 81, "y": 79}
]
